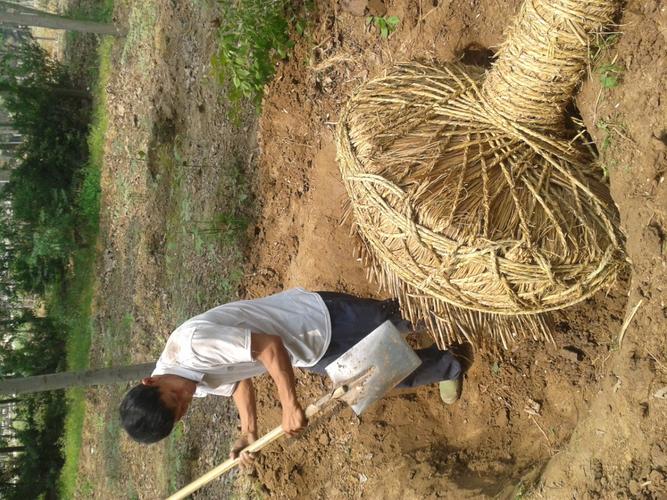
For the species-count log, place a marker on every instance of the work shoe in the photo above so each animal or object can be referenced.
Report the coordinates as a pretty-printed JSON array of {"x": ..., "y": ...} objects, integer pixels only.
[{"x": 450, "y": 390}]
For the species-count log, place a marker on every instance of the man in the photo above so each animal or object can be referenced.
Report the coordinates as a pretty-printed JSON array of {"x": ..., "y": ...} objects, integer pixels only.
[{"x": 219, "y": 351}]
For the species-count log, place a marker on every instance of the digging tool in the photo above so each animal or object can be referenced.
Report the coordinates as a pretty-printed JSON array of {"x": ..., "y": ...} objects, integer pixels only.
[{"x": 360, "y": 376}]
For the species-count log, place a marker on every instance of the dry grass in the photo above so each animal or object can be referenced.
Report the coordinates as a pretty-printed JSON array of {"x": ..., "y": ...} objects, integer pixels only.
[{"x": 474, "y": 204}]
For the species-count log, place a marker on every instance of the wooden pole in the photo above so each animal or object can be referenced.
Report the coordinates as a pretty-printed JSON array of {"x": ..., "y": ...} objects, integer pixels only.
[{"x": 65, "y": 380}]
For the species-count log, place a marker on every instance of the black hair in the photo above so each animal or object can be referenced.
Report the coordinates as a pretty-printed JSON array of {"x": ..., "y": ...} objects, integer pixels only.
[{"x": 144, "y": 416}]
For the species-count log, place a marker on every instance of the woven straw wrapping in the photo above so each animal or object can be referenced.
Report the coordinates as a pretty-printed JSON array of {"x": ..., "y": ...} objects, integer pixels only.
[{"x": 473, "y": 204}]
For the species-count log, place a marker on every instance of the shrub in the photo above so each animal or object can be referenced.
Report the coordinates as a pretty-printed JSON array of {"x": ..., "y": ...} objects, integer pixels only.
[{"x": 253, "y": 36}]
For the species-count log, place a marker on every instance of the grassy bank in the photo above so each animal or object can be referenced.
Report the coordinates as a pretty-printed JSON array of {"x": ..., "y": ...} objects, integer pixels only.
[{"x": 72, "y": 302}]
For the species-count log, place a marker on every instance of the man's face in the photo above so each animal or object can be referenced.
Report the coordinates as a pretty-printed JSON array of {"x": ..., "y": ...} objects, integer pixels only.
[{"x": 175, "y": 392}]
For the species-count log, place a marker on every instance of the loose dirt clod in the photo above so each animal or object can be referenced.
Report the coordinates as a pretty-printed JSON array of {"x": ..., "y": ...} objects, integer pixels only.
[{"x": 473, "y": 198}]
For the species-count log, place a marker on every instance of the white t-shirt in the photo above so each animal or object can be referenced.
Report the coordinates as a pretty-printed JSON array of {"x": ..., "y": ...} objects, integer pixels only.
[{"x": 213, "y": 348}]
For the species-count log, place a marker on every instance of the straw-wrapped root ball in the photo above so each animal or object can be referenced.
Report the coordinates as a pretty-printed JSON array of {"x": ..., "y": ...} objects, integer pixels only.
[{"x": 473, "y": 202}]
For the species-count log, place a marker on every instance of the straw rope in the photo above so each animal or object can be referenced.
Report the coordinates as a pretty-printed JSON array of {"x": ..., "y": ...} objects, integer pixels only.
[{"x": 474, "y": 206}]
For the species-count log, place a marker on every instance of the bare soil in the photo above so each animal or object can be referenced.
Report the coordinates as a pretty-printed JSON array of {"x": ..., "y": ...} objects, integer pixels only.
[{"x": 584, "y": 418}]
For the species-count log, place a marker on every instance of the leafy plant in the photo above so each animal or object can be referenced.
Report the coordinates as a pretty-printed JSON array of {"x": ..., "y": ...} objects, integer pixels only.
[
  {"x": 386, "y": 25},
  {"x": 253, "y": 36},
  {"x": 610, "y": 75}
]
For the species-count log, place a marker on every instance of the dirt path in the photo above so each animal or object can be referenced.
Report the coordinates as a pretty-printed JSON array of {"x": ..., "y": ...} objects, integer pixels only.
[{"x": 600, "y": 429}]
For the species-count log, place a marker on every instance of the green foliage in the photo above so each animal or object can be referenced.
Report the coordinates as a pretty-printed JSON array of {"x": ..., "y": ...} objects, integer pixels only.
[
  {"x": 100, "y": 11},
  {"x": 47, "y": 229},
  {"x": 37, "y": 346},
  {"x": 386, "y": 25},
  {"x": 605, "y": 65},
  {"x": 175, "y": 452},
  {"x": 33, "y": 346},
  {"x": 52, "y": 116},
  {"x": 610, "y": 75},
  {"x": 42, "y": 415},
  {"x": 253, "y": 36}
]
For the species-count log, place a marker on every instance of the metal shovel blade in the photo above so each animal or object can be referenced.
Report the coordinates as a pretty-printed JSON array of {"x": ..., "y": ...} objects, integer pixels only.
[{"x": 382, "y": 359}]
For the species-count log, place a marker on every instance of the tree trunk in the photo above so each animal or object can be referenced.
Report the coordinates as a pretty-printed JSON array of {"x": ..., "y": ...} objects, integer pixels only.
[
  {"x": 24, "y": 16},
  {"x": 11, "y": 449},
  {"x": 66, "y": 380}
]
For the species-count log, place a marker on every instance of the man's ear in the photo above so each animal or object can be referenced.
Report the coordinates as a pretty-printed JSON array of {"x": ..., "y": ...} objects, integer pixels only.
[{"x": 149, "y": 381}]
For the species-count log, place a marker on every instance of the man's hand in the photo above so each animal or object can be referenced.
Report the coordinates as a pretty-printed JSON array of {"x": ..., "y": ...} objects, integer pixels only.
[
  {"x": 247, "y": 459},
  {"x": 294, "y": 420}
]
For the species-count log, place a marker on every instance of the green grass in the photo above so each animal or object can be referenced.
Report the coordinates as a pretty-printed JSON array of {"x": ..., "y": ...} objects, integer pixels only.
[
  {"x": 142, "y": 27},
  {"x": 72, "y": 302},
  {"x": 614, "y": 133},
  {"x": 100, "y": 11},
  {"x": 604, "y": 61},
  {"x": 110, "y": 438},
  {"x": 199, "y": 236},
  {"x": 602, "y": 44},
  {"x": 174, "y": 457}
]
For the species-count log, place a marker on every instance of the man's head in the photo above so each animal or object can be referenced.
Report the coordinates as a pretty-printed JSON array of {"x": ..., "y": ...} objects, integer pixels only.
[{"x": 149, "y": 410}]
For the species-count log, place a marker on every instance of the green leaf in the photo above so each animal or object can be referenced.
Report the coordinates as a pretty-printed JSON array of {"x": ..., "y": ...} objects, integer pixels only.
[
  {"x": 609, "y": 81},
  {"x": 392, "y": 21},
  {"x": 384, "y": 30}
]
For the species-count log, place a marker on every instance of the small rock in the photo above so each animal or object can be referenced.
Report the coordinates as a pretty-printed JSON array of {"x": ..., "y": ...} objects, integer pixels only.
[
  {"x": 659, "y": 142},
  {"x": 572, "y": 353},
  {"x": 377, "y": 8},
  {"x": 533, "y": 407},
  {"x": 324, "y": 440},
  {"x": 656, "y": 477},
  {"x": 354, "y": 7},
  {"x": 661, "y": 393},
  {"x": 659, "y": 456}
]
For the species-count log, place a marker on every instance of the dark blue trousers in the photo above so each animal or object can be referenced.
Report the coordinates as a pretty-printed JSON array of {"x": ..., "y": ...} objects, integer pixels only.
[{"x": 352, "y": 318}]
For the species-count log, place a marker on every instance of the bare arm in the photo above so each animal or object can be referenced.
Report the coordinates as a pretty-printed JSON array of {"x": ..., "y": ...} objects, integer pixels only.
[
  {"x": 270, "y": 351},
  {"x": 244, "y": 398}
]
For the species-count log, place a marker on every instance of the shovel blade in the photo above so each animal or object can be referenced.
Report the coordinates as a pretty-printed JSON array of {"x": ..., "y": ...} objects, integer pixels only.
[{"x": 382, "y": 359}]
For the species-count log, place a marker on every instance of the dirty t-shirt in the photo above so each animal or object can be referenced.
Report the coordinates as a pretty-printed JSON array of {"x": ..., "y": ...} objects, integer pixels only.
[{"x": 213, "y": 348}]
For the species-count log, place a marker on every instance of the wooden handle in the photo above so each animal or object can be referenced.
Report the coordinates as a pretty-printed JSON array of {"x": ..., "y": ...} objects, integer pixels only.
[
  {"x": 227, "y": 464},
  {"x": 312, "y": 410}
]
